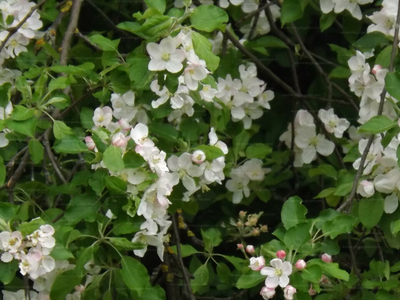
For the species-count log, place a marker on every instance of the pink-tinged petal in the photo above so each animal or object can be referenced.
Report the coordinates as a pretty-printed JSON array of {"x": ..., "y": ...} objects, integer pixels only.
[
  {"x": 283, "y": 281},
  {"x": 272, "y": 282},
  {"x": 157, "y": 65},
  {"x": 154, "y": 50},
  {"x": 276, "y": 263},
  {"x": 287, "y": 268},
  {"x": 268, "y": 271}
]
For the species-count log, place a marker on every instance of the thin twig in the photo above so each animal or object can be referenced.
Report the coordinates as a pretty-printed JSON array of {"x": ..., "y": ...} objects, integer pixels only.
[
  {"x": 51, "y": 156},
  {"x": 258, "y": 63},
  {"x": 14, "y": 29},
  {"x": 180, "y": 261},
  {"x": 73, "y": 104},
  {"x": 353, "y": 257},
  {"x": 380, "y": 109},
  {"x": 86, "y": 39},
  {"x": 253, "y": 13},
  {"x": 73, "y": 23},
  {"x": 16, "y": 176}
]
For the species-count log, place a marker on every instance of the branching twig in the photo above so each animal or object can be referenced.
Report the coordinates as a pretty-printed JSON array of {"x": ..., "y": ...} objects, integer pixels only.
[
  {"x": 51, "y": 156},
  {"x": 380, "y": 109},
  {"x": 16, "y": 176},
  {"x": 253, "y": 13},
  {"x": 189, "y": 233}
]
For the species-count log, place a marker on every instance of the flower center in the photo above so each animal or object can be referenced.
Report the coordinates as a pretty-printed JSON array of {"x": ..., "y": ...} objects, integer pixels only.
[
  {"x": 165, "y": 56},
  {"x": 278, "y": 272},
  {"x": 313, "y": 141}
]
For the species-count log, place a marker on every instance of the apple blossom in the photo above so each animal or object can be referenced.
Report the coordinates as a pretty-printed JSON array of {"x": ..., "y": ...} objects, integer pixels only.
[
  {"x": 267, "y": 293},
  {"x": 250, "y": 249},
  {"x": 366, "y": 188},
  {"x": 326, "y": 258},
  {"x": 102, "y": 116},
  {"x": 300, "y": 264},
  {"x": 288, "y": 292},
  {"x": 332, "y": 122},
  {"x": 278, "y": 274},
  {"x": 198, "y": 157},
  {"x": 165, "y": 56},
  {"x": 281, "y": 254}
]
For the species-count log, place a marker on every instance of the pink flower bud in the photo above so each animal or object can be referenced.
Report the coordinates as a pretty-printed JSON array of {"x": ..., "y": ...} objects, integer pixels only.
[
  {"x": 281, "y": 254},
  {"x": 198, "y": 157},
  {"x": 326, "y": 258},
  {"x": 120, "y": 140},
  {"x": 240, "y": 246},
  {"x": 242, "y": 214},
  {"x": 288, "y": 292},
  {"x": 124, "y": 124},
  {"x": 300, "y": 264},
  {"x": 376, "y": 68},
  {"x": 257, "y": 263},
  {"x": 250, "y": 249},
  {"x": 90, "y": 143},
  {"x": 80, "y": 288},
  {"x": 267, "y": 293}
]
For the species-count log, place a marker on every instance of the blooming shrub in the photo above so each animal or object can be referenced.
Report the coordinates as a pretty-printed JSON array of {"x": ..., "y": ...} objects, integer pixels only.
[{"x": 199, "y": 149}]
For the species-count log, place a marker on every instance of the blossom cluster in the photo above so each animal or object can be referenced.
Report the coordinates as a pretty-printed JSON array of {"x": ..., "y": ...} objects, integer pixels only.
[
  {"x": 385, "y": 19},
  {"x": 13, "y": 12},
  {"x": 32, "y": 251},
  {"x": 307, "y": 143},
  {"x": 338, "y": 6}
]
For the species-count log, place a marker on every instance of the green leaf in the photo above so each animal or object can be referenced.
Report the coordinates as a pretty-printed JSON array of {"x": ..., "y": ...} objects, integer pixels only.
[
  {"x": 26, "y": 127},
  {"x": 122, "y": 243},
  {"x": 21, "y": 113},
  {"x": 159, "y": 5},
  {"x": 340, "y": 72},
  {"x": 249, "y": 280},
  {"x": 186, "y": 250},
  {"x": 324, "y": 193},
  {"x": 133, "y": 160},
  {"x": 211, "y": 152},
  {"x": 371, "y": 40},
  {"x": 59, "y": 83},
  {"x": 202, "y": 46},
  {"x": 237, "y": 262},
  {"x": 331, "y": 269},
  {"x": 165, "y": 131},
  {"x": 82, "y": 207},
  {"x": 212, "y": 238},
  {"x": 395, "y": 227},
  {"x": 29, "y": 227},
  {"x": 59, "y": 252},
  {"x": 36, "y": 150},
  {"x": 60, "y": 130},
  {"x": 323, "y": 169},
  {"x": 338, "y": 225},
  {"x": 134, "y": 274},
  {"x": 8, "y": 271},
  {"x": 327, "y": 20},
  {"x": 86, "y": 116},
  {"x": 116, "y": 185},
  {"x": 64, "y": 284},
  {"x": 8, "y": 211},
  {"x": 23, "y": 86},
  {"x": 138, "y": 71},
  {"x": 154, "y": 27},
  {"x": 258, "y": 150},
  {"x": 70, "y": 144},
  {"x": 208, "y": 17},
  {"x": 378, "y": 124},
  {"x": 297, "y": 235},
  {"x": 392, "y": 82},
  {"x": 79, "y": 71},
  {"x": 240, "y": 142},
  {"x": 105, "y": 44},
  {"x": 112, "y": 159},
  {"x": 373, "y": 204},
  {"x": 201, "y": 276},
  {"x": 293, "y": 212},
  {"x": 383, "y": 58},
  {"x": 292, "y": 10},
  {"x": 312, "y": 273},
  {"x": 268, "y": 41}
]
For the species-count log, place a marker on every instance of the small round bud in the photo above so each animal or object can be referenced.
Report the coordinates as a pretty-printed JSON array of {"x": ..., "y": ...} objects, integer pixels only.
[
  {"x": 300, "y": 264},
  {"x": 242, "y": 214},
  {"x": 375, "y": 69},
  {"x": 90, "y": 143},
  {"x": 264, "y": 228},
  {"x": 257, "y": 263},
  {"x": 240, "y": 246},
  {"x": 326, "y": 258},
  {"x": 198, "y": 157},
  {"x": 281, "y": 254},
  {"x": 250, "y": 249},
  {"x": 288, "y": 292},
  {"x": 256, "y": 231},
  {"x": 267, "y": 293},
  {"x": 252, "y": 219}
]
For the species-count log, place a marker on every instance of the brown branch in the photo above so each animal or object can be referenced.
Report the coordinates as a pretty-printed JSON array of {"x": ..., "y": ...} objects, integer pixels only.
[
  {"x": 16, "y": 176},
  {"x": 73, "y": 104},
  {"x": 73, "y": 23},
  {"x": 182, "y": 225},
  {"x": 14, "y": 29},
  {"x": 253, "y": 13},
  {"x": 180, "y": 261},
  {"x": 380, "y": 110},
  {"x": 51, "y": 156}
]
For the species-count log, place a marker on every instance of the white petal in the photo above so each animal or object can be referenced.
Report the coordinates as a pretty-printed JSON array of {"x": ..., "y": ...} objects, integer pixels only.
[{"x": 391, "y": 203}]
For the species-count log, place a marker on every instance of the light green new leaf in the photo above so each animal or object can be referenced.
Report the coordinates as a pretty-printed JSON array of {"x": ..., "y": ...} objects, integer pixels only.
[
  {"x": 159, "y": 5},
  {"x": 297, "y": 236},
  {"x": 324, "y": 169},
  {"x": 105, "y": 44},
  {"x": 59, "y": 83},
  {"x": 112, "y": 159},
  {"x": 70, "y": 144},
  {"x": 64, "y": 284},
  {"x": 26, "y": 127},
  {"x": 208, "y": 17},
  {"x": 201, "y": 277},
  {"x": 211, "y": 152},
  {"x": 21, "y": 113},
  {"x": 293, "y": 212},
  {"x": 122, "y": 243},
  {"x": 331, "y": 268},
  {"x": 134, "y": 274},
  {"x": 60, "y": 130},
  {"x": 377, "y": 124},
  {"x": 36, "y": 150},
  {"x": 202, "y": 46},
  {"x": 186, "y": 250},
  {"x": 258, "y": 150}
]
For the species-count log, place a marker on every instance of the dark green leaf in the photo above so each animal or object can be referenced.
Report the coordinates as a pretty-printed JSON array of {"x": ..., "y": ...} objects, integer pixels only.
[
  {"x": 208, "y": 17},
  {"x": 112, "y": 159},
  {"x": 366, "y": 206},
  {"x": 21, "y": 113},
  {"x": 202, "y": 46},
  {"x": 249, "y": 280},
  {"x": 293, "y": 212},
  {"x": 70, "y": 144},
  {"x": 104, "y": 43},
  {"x": 201, "y": 276},
  {"x": 377, "y": 124},
  {"x": 36, "y": 150}
]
